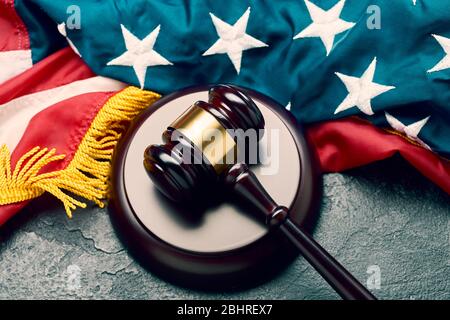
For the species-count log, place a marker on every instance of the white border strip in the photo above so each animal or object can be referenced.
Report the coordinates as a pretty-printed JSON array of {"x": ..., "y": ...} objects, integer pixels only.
[{"x": 13, "y": 63}]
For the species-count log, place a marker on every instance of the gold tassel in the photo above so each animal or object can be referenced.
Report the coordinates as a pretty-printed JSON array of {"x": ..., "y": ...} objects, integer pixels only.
[{"x": 87, "y": 175}]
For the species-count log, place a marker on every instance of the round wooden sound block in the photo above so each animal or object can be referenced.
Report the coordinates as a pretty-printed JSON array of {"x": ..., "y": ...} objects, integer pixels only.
[{"x": 221, "y": 247}]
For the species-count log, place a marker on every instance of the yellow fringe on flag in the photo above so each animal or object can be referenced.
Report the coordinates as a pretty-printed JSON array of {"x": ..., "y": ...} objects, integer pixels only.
[{"x": 87, "y": 175}]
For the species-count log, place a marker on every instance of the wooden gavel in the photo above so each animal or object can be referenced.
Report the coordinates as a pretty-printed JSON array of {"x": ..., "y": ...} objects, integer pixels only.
[{"x": 188, "y": 178}]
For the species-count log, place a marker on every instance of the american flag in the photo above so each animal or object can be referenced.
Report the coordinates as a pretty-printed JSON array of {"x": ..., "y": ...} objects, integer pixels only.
[{"x": 368, "y": 79}]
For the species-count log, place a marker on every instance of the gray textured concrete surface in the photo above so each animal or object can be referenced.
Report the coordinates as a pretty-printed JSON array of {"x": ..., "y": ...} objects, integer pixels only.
[{"x": 384, "y": 215}]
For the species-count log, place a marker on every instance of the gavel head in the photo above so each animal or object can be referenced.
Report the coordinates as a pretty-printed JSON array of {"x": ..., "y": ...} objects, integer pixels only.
[{"x": 204, "y": 142}]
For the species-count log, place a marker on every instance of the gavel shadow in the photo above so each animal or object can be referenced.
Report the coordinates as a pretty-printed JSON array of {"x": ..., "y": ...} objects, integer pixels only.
[
  {"x": 189, "y": 215},
  {"x": 192, "y": 215}
]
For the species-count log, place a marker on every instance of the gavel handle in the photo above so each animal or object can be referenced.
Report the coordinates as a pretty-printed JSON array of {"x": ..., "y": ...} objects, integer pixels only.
[
  {"x": 244, "y": 184},
  {"x": 346, "y": 285}
]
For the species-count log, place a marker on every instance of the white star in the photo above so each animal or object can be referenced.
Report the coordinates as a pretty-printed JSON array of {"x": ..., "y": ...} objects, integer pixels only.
[
  {"x": 361, "y": 90},
  {"x": 288, "y": 106},
  {"x": 414, "y": 2},
  {"x": 139, "y": 54},
  {"x": 326, "y": 24},
  {"x": 445, "y": 62},
  {"x": 411, "y": 131},
  {"x": 62, "y": 30},
  {"x": 233, "y": 40}
]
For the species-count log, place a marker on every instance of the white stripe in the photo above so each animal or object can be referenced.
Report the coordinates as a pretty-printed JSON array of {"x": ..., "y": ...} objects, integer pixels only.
[
  {"x": 14, "y": 63},
  {"x": 16, "y": 114}
]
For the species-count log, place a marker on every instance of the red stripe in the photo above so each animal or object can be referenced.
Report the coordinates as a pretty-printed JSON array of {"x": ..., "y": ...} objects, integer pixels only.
[
  {"x": 13, "y": 33},
  {"x": 58, "y": 69},
  {"x": 351, "y": 142},
  {"x": 74, "y": 117}
]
